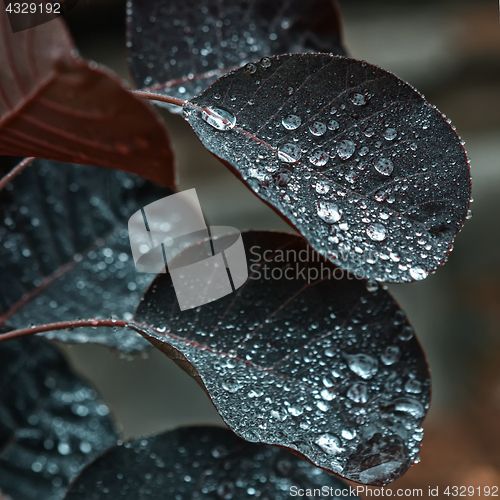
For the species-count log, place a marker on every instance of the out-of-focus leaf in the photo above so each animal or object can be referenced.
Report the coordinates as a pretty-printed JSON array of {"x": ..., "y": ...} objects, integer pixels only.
[
  {"x": 180, "y": 47},
  {"x": 303, "y": 356},
  {"x": 200, "y": 462},
  {"x": 55, "y": 105},
  {"x": 51, "y": 422},
  {"x": 349, "y": 154},
  {"x": 64, "y": 250}
]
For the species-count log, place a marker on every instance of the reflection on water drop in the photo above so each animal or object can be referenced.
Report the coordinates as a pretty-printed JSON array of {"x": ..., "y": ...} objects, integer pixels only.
[
  {"x": 371, "y": 286},
  {"x": 322, "y": 187},
  {"x": 358, "y": 393},
  {"x": 250, "y": 68},
  {"x": 362, "y": 364},
  {"x": 390, "y": 134},
  {"x": 231, "y": 385},
  {"x": 391, "y": 355},
  {"x": 218, "y": 118},
  {"x": 333, "y": 125}
]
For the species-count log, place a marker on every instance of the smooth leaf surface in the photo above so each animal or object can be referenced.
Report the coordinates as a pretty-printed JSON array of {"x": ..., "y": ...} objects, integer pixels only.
[
  {"x": 198, "y": 462},
  {"x": 65, "y": 253},
  {"x": 179, "y": 48},
  {"x": 353, "y": 157},
  {"x": 305, "y": 357},
  {"x": 52, "y": 423},
  {"x": 55, "y": 105}
]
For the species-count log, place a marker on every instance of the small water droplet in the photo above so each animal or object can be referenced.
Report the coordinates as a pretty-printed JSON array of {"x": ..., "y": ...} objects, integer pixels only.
[
  {"x": 291, "y": 122},
  {"x": 319, "y": 158},
  {"x": 333, "y": 125},
  {"x": 289, "y": 152},
  {"x": 317, "y": 128},
  {"x": 322, "y": 187},
  {"x": 418, "y": 273},
  {"x": 390, "y": 134},
  {"x": 358, "y": 99},
  {"x": 406, "y": 333},
  {"x": 362, "y": 365},
  {"x": 358, "y": 393},
  {"x": 371, "y": 286},
  {"x": 218, "y": 118},
  {"x": 384, "y": 166},
  {"x": 265, "y": 62},
  {"x": 329, "y": 444},
  {"x": 345, "y": 149},
  {"x": 250, "y": 68},
  {"x": 377, "y": 232},
  {"x": 329, "y": 212},
  {"x": 231, "y": 385},
  {"x": 391, "y": 355}
]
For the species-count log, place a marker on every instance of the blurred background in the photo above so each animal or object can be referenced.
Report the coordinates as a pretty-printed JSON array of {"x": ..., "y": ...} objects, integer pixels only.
[{"x": 449, "y": 51}]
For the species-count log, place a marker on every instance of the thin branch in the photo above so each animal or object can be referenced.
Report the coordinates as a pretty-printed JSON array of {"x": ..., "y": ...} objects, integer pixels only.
[
  {"x": 158, "y": 97},
  {"x": 16, "y": 171},
  {"x": 63, "y": 325}
]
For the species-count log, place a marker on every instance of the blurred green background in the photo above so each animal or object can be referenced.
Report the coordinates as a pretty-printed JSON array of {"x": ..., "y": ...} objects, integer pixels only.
[{"x": 449, "y": 51}]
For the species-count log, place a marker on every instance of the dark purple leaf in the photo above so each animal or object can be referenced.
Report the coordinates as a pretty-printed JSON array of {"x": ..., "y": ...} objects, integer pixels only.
[
  {"x": 65, "y": 253},
  {"x": 179, "y": 48},
  {"x": 51, "y": 422},
  {"x": 55, "y": 105},
  {"x": 200, "y": 463},
  {"x": 353, "y": 157},
  {"x": 305, "y": 357}
]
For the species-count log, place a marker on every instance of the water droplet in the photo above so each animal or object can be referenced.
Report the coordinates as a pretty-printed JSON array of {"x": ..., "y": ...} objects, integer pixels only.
[
  {"x": 291, "y": 122},
  {"x": 418, "y": 273},
  {"x": 218, "y": 118},
  {"x": 358, "y": 393},
  {"x": 329, "y": 444},
  {"x": 327, "y": 395},
  {"x": 333, "y": 125},
  {"x": 384, "y": 166},
  {"x": 406, "y": 333},
  {"x": 362, "y": 364},
  {"x": 390, "y": 134},
  {"x": 358, "y": 99},
  {"x": 231, "y": 385},
  {"x": 317, "y": 128},
  {"x": 265, "y": 62},
  {"x": 371, "y": 286},
  {"x": 377, "y": 232},
  {"x": 410, "y": 406},
  {"x": 391, "y": 355},
  {"x": 345, "y": 149},
  {"x": 319, "y": 158},
  {"x": 348, "y": 433},
  {"x": 413, "y": 386},
  {"x": 295, "y": 410},
  {"x": 289, "y": 152},
  {"x": 250, "y": 68},
  {"x": 329, "y": 212},
  {"x": 322, "y": 187}
]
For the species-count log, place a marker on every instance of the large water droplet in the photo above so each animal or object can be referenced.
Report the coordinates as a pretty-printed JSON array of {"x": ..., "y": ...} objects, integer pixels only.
[
  {"x": 289, "y": 152},
  {"x": 384, "y": 166},
  {"x": 377, "y": 232},
  {"x": 317, "y": 128},
  {"x": 218, "y": 118},
  {"x": 291, "y": 122},
  {"x": 345, "y": 149},
  {"x": 319, "y": 158},
  {"x": 329, "y": 212},
  {"x": 362, "y": 364},
  {"x": 329, "y": 444}
]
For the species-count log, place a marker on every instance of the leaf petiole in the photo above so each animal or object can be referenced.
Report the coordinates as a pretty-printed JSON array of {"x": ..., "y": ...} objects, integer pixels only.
[{"x": 158, "y": 97}]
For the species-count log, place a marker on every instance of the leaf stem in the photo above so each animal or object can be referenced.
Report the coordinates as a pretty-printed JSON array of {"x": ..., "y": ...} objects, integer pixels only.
[
  {"x": 62, "y": 325},
  {"x": 16, "y": 171},
  {"x": 158, "y": 97}
]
